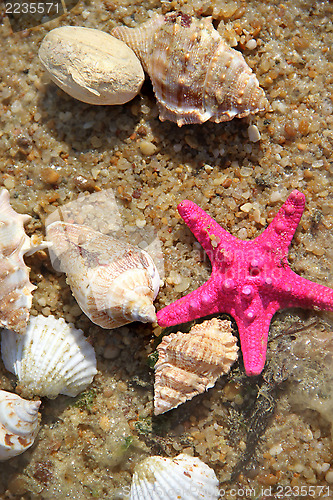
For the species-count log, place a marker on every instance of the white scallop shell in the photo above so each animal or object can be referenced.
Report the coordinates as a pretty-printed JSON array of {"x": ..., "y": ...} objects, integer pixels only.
[
  {"x": 18, "y": 424},
  {"x": 113, "y": 282},
  {"x": 196, "y": 77},
  {"x": 51, "y": 358},
  {"x": 15, "y": 287},
  {"x": 190, "y": 363},
  {"x": 182, "y": 478}
]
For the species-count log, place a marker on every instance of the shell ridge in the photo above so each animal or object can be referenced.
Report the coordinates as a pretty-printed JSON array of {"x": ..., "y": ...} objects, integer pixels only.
[
  {"x": 41, "y": 347},
  {"x": 55, "y": 358},
  {"x": 183, "y": 477},
  {"x": 190, "y": 363}
]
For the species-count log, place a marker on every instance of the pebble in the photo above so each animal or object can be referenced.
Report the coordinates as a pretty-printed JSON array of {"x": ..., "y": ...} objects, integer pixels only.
[
  {"x": 253, "y": 133},
  {"x": 242, "y": 233},
  {"x": 275, "y": 450},
  {"x": 251, "y": 44},
  {"x": 329, "y": 476},
  {"x": 105, "y": 423},
  {"x": 246, "y": 207},
  {"x": 147, "y": 148},
  {"x": 111, "y": 352},
  {"x": 9, "y": 183},
  {"x": 140, "y": 223},
  {"x": 49, "y": 175},
  {"x": 68, "y": 54},
  {"x": 275, "y": 196}
]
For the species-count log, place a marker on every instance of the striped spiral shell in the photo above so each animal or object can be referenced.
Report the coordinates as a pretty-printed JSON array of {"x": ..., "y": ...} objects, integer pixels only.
[
  {"x": 15, "y": 287},
  {"x": 18, "y": 424},
  {"x": 113, "y": 282},
  {"x": 190, "y": 363},
  {"x": 196, "y": 77}
]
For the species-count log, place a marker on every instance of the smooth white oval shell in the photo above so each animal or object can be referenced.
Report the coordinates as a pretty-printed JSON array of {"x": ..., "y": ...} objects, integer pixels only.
[
  {"x": 196, "y": 77},
  {"x": 51, "y": 358},
  {"x": 91, "y": 65},
  {"x": 15, "y": 287},
  {"x": 18, "y": 424},
  {"x": 190, "y": 363},
  {"x": 113, "y": 282},
  {"x": 182, "y": 478}
]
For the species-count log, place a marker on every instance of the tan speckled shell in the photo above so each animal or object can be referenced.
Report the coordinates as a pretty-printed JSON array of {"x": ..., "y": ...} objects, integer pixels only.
[
  {"x": 190, "y": 363},
  {"x": 91, "y": 65},
  {"x": 196, "y": 77},
  {"x": 18, "y": 424},
  {"x": 113, "y": 282},
  {"x": 15, "y": 287}
]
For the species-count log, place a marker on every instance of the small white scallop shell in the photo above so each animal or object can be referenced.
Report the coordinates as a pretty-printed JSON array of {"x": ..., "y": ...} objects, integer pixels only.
[
  {"x": 91, "y": 65},
  {"x": 196, "y": 77},
  {"x": 18, "y": 424},
  {"x": 51, "y": 358},
  {"x": 182, "y": 478},
  {"x": 15, "y": 287},
  {"x": 113, "y": 282},
  {"x": 190, "y": 363}
]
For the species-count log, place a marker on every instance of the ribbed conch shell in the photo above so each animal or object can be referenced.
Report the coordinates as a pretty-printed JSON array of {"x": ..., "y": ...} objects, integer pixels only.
[
  {"x": 113, "y": 282},
  {"x": 196, "y": 77},
  {"x": 15, "y": 287},
  {"x": 182, "y": 478},
  {"x": 52, "y": 358},
  {"x": 18, "y": 424},
  {"x": 190, "y": 363}
]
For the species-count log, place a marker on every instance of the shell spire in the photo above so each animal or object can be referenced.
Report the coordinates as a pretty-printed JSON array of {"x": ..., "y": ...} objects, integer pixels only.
[
  {"x": 190, "y": 363},
  {"x": 15, "y": 287},
  {"x": 18, "y": 424},
  {"x": 113, "y": 282},
  {"x": 196, "y": 77}
]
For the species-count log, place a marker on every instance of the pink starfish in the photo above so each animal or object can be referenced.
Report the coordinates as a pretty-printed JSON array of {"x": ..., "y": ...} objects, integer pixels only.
[{"x": 250, "y": 280}]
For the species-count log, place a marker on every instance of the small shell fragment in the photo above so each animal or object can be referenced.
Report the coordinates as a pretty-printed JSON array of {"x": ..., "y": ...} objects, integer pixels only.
[
  {"x": 190, "y": 363},
  {"x": 15, "y": 287},
  {"x": 91, "y": 66},
  {"x": 182, "y": 478},
  {"x": 113, "y": 282},
  {"x": 196, "y": 77},
  {"x": 51, "y": 358},
  {"x": 18, "y": 424}
]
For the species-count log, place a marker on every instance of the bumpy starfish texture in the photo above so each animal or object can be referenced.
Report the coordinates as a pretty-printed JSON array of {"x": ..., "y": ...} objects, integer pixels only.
[{"x": 250, "y": 280}]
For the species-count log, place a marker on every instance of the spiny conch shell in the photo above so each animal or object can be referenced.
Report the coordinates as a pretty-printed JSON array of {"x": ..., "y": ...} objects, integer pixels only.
[
  {"x": 113, "y": 282},
  {"x": 182, "y": 478},
  {"x": 18, "y": 424},
  {"x": 196, "y": 77},
  {"x": 190, "y": 363},
  {"x": 15, "y": 287},
  {"x": 52, "y": 358}
]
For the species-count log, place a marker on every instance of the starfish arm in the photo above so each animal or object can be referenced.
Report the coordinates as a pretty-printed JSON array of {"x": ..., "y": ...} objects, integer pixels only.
[
  {"x": 207, "y": 231},
  {"x": 300, "y": 292},
  {"x": 278, "y": 235},
  {"x": 253, "y": 338},
  {"x": 199, "y": 303}
]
